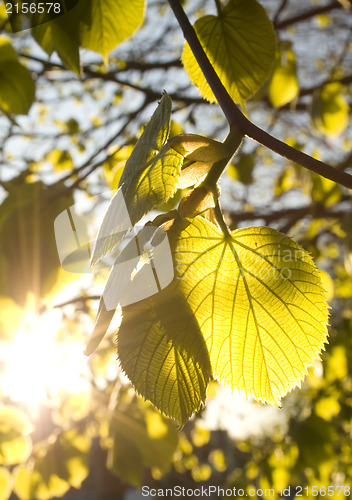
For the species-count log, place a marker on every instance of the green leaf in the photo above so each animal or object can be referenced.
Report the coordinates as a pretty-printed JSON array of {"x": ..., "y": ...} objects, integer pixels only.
[
  {"x": 200, "y": 154},
  {"x": 166, "y": 357},
  {"x": 153, "y": 185},
  {"x": 15, "y": 444},
  {"x": 98, "y": 25},
  {"x": 149, "y": 179},
  {"x": 62, "y": 35},
  {"x": 259, "y": 302},
  {"x": 17, "y": 88},
  {"x": 240, "y": 44},
  {"x": 330, "y": 110},
  {"x": 111, "y": 22},
  {"x": 7, "y": 52},
  {"x": 154, "y": 136},
  {"x": 28, "y": 245},
  {"x": 283, "y": 86}
]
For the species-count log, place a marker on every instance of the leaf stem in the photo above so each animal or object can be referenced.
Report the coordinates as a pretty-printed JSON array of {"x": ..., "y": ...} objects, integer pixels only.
[
  {"x": 220, "y": 220},
  {"x": 218, "y": 7},
  {"x": 235, "y": 117},
  {"x": 232, "y": 143}
]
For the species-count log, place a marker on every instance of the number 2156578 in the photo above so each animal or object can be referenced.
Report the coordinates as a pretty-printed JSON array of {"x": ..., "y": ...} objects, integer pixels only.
[
  {"x": 33, "y": 8},
  {"x": 322, "y": 491}
]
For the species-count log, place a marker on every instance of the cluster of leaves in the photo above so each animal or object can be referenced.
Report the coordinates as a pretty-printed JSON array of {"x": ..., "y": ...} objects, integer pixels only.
[{"x": 243, "y": 301}]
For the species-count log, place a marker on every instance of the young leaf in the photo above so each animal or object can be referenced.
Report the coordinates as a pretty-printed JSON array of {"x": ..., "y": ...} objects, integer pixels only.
[
  {"x": 153, "y": 185},
  {"x": 154, "y": 136},
  {"x": 201, "y": 153},
  {"x": 166, "y": 358},
  {"x": 149, "y": 179},
  {"x": 240, "y": 44},
  {"x": 259, "y": 302},
  {"x": 62, "y": 35}
]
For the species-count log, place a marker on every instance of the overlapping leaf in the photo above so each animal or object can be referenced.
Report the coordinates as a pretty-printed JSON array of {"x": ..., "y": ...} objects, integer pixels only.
[
  {"x": 150, "y": 178},
  {"x": 240, "y": 44},
  {"x": 166, "y": 358},
  {"x": 112, "y": 21},
  {"x": 98, "y": 25},
  {"x": 252, "y": 303}
]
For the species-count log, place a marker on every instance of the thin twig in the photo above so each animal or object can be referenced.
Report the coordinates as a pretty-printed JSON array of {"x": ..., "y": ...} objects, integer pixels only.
[
  {"x": 304, "y": 16},
  {"x": 77, "y": 300}
]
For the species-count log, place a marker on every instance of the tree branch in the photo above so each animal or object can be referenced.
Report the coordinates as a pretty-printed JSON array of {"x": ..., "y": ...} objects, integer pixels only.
[
  {"x": 235, "y": 117},
  {"x": 78, "y": 300},
  {"x": 280, "y": 9},
  {"x": 307, "y": 15},
  {"x": 315, "y": 211}
]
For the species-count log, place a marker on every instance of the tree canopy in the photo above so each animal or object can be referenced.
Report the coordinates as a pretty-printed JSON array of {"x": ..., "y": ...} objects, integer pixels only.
[{"x": 175, "y": 201}]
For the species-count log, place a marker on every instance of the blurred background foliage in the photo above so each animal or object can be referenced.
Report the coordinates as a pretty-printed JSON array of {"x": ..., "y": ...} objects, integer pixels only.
[{"x": 72, "y": 427}]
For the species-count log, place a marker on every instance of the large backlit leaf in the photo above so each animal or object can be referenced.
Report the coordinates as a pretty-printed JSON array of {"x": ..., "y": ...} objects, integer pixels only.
[
  {"x": 148, "y": 180},
  {"x": 111, "y": 22},
  {"x": 258, "y": 301},
  {"x": 166, "y": 357},
  {"x": 62, "y": 35},
  {"x": 17, "y": 89},
  {"x": 240, "y": 44}
]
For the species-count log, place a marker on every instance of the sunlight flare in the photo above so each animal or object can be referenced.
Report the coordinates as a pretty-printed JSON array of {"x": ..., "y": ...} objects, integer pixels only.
[{"x": 36, "y": 367}]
